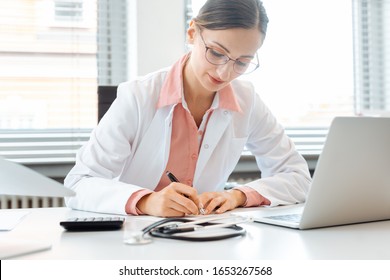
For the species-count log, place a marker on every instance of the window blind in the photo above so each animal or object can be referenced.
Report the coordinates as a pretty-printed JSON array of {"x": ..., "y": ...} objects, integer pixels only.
[
  {"x": 48, "y": 79},
  {"x": 371, "y": 22},
  {"x": 42, "y": 146},
  {"x": 48, "y": 76},
  {"x": 112, "y": 42}
]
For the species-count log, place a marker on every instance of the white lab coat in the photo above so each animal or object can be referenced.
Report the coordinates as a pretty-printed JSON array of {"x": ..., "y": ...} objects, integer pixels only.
[{"x": 129, "y": 149}]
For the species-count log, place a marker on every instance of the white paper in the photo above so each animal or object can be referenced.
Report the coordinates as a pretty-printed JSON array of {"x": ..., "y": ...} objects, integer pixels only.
[
  {"x": 9, "y": 219},
  {"x": 10, "y": 247}
]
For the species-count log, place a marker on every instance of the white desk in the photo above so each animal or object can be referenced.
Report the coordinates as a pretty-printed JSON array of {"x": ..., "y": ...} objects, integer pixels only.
[{"x": 354, "y": 242}]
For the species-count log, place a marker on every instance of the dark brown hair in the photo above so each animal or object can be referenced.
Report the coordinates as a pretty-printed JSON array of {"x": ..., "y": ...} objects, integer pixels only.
[{"x": 225, "y": 14}]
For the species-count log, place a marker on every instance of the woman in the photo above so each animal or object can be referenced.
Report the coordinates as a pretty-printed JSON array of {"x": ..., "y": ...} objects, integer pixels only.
[{"x": 193, "y": 120}]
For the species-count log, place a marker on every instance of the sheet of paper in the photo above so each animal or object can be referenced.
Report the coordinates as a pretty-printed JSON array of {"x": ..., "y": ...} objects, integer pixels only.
[
  {"x": 9, "y": 219},
  {"x": 10, "y": 247}
]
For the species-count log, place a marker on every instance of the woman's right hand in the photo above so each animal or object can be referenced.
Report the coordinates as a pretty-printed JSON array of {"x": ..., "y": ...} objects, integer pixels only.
[{"x": 175, "y": 200}]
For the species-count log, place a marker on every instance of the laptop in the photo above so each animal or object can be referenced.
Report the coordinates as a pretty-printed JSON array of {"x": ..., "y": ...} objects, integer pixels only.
[{"x": 351, "y": 182}]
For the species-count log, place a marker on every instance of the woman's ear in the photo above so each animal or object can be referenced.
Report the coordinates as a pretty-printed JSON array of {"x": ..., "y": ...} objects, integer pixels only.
[{"x": 191, "y": 31}]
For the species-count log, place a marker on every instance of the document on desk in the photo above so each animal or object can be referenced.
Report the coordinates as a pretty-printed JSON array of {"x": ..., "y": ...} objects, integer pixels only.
[
  {"x": 10, "y": 247},
  {"x": 9, "y": 219}
]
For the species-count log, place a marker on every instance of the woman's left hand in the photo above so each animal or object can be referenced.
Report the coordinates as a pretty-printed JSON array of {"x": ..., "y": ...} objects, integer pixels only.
[{"x": 220, "y": 202}]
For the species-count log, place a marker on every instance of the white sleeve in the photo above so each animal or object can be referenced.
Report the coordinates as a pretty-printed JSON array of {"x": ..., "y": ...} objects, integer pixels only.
[
  {"x": 285, "y": 177},
  {"x": 100, "y": 161}
]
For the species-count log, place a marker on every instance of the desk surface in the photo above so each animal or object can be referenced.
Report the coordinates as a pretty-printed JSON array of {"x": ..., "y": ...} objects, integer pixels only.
[{"x": 354, "y": 242}]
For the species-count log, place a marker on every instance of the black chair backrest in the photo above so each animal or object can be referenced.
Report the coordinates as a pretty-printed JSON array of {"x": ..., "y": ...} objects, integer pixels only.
[{"x": 106, "y": 95}]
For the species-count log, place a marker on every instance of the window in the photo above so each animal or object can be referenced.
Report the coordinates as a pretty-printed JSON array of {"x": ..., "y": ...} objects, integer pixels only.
[
  {"x": 323, "y": 59},
  {"x": 306, "y": 62},
  {"x": 57, "y": 52},
  {"x": 112, "y": 42},
  {"x": 372, "y": 56},
  {"x": 50, "y": 78},
  {"x": 68, "y": 10}
]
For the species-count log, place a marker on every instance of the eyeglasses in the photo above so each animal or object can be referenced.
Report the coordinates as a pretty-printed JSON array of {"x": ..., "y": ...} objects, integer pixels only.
[{"x": 240, "y": 66}]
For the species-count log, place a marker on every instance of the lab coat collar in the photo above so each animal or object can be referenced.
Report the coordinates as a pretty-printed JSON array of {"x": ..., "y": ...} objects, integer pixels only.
[{"x": 172, "y": 90}]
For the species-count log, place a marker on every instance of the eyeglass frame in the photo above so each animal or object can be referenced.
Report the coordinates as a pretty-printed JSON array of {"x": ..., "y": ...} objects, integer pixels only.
[{"x": 228, "y": 58}]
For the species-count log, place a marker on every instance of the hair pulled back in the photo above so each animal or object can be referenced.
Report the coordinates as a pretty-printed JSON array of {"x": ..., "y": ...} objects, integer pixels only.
[{"x": 226, "y": 14}]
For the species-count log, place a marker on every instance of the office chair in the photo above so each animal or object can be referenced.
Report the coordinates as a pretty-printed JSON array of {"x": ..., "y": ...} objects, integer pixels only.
[{"x": 106, "y": 95}]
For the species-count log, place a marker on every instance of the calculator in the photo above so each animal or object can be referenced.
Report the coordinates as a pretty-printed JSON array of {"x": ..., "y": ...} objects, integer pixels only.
[{"x": 93, "y": 223}]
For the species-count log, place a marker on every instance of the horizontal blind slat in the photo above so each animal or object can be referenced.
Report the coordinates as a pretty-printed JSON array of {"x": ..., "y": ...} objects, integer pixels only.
[{"x": 61, "y": 146}]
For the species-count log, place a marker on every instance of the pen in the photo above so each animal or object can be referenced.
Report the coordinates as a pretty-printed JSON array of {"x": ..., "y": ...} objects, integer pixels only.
[{"x": 174, "y": 179}]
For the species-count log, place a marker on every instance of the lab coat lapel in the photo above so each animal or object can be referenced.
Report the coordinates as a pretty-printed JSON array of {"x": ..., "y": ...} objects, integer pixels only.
[
  {"x": 153, "y": 152},
  {"x": 216, "y": 127}
]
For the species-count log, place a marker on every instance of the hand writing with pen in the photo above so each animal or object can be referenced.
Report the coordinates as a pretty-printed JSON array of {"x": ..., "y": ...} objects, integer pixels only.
[{"x": 177, "y": 200}]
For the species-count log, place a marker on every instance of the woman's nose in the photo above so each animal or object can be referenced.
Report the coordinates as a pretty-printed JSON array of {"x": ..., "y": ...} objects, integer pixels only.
[{"x": 224, "y": 71}]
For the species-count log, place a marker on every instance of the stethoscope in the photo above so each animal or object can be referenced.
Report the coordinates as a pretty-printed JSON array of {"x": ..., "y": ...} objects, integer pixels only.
[{"x": 188, "y": 229}]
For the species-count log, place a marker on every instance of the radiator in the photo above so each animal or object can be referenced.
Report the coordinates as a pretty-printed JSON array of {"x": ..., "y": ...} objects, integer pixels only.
[{"x": 13, "y": 202}]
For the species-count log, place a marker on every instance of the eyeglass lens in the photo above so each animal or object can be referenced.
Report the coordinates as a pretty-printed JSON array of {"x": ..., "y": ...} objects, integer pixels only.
[{"x": 241, "y": 65}]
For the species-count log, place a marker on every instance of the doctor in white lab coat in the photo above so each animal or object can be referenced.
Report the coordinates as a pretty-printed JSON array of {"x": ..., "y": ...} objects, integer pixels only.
[{"x": 122, "y": 167}]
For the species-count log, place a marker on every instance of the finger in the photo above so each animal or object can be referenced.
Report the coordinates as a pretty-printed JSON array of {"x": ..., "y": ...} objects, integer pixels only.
[
  {"x": 185, "y": 205},
  {"x": 216, "y": 201},
  {"x": 189, "y": 197},
  {"x": 172, "y": 207},
  {"x": 189, "y": 206},
  {"x": 180, "y": 203},
  {"x": 160, "y": 204},
  {"x": 189, "y": 192},
  {"x": 196, "y": 201},
  {"x": 228, "y": 203},
  {"x": 226, "y": 206},
  {"x": 183, "y": 189},
  {"x": 214, "y": 204},
  {"x": 205, "y": 199}
]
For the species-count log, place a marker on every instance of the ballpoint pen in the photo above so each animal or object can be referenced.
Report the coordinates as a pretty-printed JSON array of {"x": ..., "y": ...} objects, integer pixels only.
[{"x": 174, "y": 179}]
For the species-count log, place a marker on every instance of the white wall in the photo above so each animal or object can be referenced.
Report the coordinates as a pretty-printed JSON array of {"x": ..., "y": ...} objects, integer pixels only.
[{"x": 157, "y": 34}]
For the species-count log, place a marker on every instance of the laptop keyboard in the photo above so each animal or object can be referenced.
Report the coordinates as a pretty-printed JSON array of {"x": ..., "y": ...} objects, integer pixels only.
[{"x": 290, "y": 217}]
